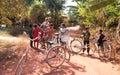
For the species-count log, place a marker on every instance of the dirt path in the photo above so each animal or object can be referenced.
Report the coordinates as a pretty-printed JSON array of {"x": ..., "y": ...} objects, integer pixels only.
[{"x": 78, "y": 65}]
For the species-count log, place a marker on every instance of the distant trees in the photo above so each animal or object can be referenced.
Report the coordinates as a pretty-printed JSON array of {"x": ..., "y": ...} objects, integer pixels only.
[
  {"x": 13, "y": 9},
  {"x": 105, "y": 16},
  {"x": 55, "y": 8}
]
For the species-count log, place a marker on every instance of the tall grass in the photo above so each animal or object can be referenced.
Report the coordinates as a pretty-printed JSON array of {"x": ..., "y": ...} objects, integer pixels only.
[{"x": 12, "y": 46}]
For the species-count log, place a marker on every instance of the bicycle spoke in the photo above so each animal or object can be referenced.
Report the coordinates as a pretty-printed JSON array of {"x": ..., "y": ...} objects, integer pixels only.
[
  {"x": 56, "y": 56},
  {"x": 75, "y": 46}
]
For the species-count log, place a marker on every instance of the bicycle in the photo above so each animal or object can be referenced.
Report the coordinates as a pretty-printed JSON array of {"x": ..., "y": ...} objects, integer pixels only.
[
  {"x": 57, "y": 55},
  {"x": 118, "y": 36},
  {"x": 77, "y": 46},
  {"x": 62, "y": 41},
  {"x": 22, "y": 60},
  {"x": 104, "y": 51}
]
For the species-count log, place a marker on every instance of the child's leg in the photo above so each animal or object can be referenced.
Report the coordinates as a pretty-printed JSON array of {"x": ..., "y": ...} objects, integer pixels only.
[
  {"x": 37, "y": 44},
  {"x": 84, "y": 46},
  {"x": 88, "y": 48},
  {"x": 34, "y": 44}
]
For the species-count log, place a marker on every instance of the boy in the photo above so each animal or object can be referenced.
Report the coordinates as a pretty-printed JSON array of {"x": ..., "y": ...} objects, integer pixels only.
[
  {"x": 30, "y": 35},
  {"x": 86, "y": 36},
  {"x": 100, "y": 38}
]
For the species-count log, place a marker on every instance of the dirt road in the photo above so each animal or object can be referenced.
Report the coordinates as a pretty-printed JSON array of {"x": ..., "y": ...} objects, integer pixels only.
[{"x": 78, "y": 65}]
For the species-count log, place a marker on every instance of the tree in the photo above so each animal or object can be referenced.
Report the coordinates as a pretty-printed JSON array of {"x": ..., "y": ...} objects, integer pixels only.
[
  {"x": 37, "y": 13},
  {"x": 54, "y": 7},
  {"x": 13, "y": 9}
]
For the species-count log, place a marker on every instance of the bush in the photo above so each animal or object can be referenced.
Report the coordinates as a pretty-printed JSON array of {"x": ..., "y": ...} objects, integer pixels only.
[
  {"x": 6, "y": 21},
  {"x": 15, "y": 30}
]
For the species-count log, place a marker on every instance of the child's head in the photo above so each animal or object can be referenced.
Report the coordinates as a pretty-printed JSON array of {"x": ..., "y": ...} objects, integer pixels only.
[
  {"x": 100, "y": 31},
  {"x": 87, "y": 28},
  {"x": 35, "y": 25},
  {"x": 30, "y": 25},
  {"x": 62, "y": 25},
  {"x": 46, "y": 19}
]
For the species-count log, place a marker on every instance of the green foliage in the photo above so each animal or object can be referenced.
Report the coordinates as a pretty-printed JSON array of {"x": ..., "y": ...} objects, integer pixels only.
[
  {"x": 6, "y": 21},
  {"x": 55, "y": 8},
  {"x": 13, "y": 8},
  {"x": 38, "y": 12},
  {"x": 29, "y": 2},
  {"x": 104, "y": 17},
  {"x": 55, "y": 5},
  {"x": 97, "y": 4}
]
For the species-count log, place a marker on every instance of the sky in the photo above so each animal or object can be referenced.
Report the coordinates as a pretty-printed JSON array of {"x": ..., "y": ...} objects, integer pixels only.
[{"x": 69, "y": 3}]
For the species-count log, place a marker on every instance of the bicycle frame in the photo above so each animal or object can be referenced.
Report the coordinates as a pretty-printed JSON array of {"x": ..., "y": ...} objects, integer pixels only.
[{"x": 20, "y": 63}]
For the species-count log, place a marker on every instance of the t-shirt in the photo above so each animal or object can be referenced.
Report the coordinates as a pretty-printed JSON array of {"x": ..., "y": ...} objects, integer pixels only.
[
  {"x": 30, "y": 32},
  {"x": 101, "y": 38},
  {"x": 45, "y": 25},
  {"x": 86, "y": 35},
  {"x": 63, "y": 30},
  {"x": 49, "y": 31}
]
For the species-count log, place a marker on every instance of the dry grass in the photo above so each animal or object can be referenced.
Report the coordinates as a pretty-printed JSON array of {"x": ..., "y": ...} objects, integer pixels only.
[
  {"x": 4, "y": 33},
  {"x": 12, "y": 46}
]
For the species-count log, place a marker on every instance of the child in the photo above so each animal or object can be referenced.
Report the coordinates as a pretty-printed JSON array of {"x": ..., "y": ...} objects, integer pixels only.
[
  {"x": 49, "y": 32},
  {"x": 35, "y": 35},
  {"x": 100, "y": 38},
  {"x": 30, "y": 35},
  {"x": 86, "y": 36}
]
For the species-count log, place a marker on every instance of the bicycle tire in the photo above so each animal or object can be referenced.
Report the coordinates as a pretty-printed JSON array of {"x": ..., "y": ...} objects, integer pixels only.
[
  {"x": 19, "y": 67},
  {"x": 101, "y": 51},
  {"x": 93, "y": 48},
  {"x": 56, "y": 56},
  {"x": 118, "y": 37},
  {"x": 107, "y": 50},
  {"x": 74, "y": 46}
]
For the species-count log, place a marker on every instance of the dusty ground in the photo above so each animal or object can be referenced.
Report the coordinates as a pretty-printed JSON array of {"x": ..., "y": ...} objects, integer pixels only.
[{"x": 78, "y": 65}]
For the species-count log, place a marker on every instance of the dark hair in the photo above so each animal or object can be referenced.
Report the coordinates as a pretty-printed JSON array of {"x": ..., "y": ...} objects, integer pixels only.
[
  {"x": 35, "y": 25},
  {"x": 101, "y": 30},
  {"x": 63, "y": 24},
  {"x": 51, "y": 24},
  {"x": 30, "y": 25},
  {"x": 86, "y": 27}
]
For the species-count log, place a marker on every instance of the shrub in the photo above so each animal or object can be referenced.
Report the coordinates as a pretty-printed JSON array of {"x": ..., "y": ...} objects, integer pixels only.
[{"x": 6, "y": 21}]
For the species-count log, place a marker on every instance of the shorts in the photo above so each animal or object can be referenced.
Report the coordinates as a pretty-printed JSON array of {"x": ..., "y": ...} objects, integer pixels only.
[{"x": 86, "y": 42}]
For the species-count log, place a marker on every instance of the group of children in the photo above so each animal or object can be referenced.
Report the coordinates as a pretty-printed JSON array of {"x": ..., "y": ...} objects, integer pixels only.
[
  {"x": 39, "y": 33},
  {"x": 45, "y": 32},
  {"x": 86, "y": 35}
]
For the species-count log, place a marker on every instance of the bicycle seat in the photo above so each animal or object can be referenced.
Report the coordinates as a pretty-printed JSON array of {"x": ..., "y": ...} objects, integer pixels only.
[
  {"x": 50, "y": 42},
  {"x": 57, "y": 34}
]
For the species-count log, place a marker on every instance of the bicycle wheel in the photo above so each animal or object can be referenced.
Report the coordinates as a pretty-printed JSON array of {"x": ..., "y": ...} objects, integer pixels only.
[
  {"x": 107, "y": 50},
  {"x": 118, "y": 37},
  {"x": 56, "y": 56},
  {"x": 19, "y": 67},
  {"x": 93, "y": 48},
  {"x": 76, "y": 45},
  {"x": 101, "y": 51}
]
